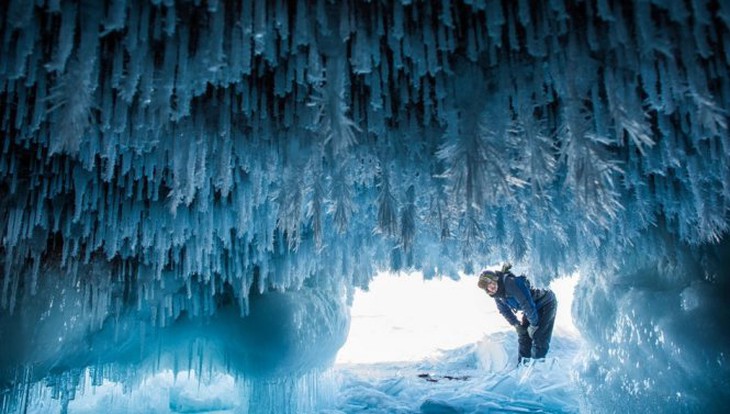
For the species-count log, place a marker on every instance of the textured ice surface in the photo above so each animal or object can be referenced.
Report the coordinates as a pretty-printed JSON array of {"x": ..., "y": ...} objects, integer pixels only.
[{"x": 478, "y": 378}]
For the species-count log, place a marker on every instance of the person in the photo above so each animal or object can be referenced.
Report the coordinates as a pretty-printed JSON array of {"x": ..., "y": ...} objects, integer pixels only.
[{"x": 538, "y": 306}]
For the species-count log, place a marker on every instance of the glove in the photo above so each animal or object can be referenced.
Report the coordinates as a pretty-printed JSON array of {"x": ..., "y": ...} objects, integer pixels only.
[
  {"x": 531, "y": 330},
  {"x": 521, "y": 329}
]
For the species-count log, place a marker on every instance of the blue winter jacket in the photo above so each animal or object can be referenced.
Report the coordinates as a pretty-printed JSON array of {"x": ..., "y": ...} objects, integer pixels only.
[{"x": 514, "y": 294}]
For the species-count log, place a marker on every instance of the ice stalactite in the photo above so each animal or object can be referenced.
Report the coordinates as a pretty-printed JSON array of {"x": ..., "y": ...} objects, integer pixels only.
[{"x": 154, "y": 115}]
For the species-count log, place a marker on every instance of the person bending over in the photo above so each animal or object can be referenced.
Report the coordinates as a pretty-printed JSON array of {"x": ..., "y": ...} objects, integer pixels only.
[{"x": 538, "y": 306}]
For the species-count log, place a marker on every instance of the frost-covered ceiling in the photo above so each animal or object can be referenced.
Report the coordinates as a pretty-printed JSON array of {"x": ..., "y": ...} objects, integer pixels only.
[
  {"x": 216, "y": 141},
  {"x": 162, "y": 153}
]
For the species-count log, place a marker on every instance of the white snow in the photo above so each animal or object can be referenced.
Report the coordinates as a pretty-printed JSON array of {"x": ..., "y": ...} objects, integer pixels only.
[
  {"x": 440, "y": 346},
  {"x": 477, "y": 378}
]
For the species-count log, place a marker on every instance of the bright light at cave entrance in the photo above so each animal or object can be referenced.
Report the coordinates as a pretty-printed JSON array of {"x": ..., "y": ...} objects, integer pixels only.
[{"x": 406, "y": 318}]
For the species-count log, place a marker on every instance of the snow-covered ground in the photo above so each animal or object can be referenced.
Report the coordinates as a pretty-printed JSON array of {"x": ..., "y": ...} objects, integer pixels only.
[
  {"x": 456, "y": 353},
  {"x": 477, "y": 378},
  {"x": 481, "y": 377}
]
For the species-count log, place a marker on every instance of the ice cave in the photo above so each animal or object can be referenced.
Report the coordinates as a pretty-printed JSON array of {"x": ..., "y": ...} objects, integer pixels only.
[{"x": 194, "y": 192}]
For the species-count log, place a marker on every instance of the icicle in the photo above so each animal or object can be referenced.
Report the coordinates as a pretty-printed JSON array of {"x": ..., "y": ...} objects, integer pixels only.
[
  {"x": 301, "y": 30},
  {"x": 523, "y": 12},
  {"x": 397, "y": 30},
  {"x": 183, "y": 79},
  {"x": 259, "y": 28},
  {"x": 619, "y": 34},
  {"x": 699, "y": 28},
  {"x": 446, "y": 16},
  {"x": 430, "y": 52},
  {"x": 66, "y": 33},
  {"x": 650, "y": 83},
  {"x": 495, "y": 22},
  {"x": 115, "y": 18},
  {"x": 558, "y": 6},
  {"x": 360, "y": 60},
  {"x": 535, "y": 41},
  {"x": 23, "y": 50},
  {"x": 345, "y": 27},
  {"x": 215, "y": 39},
  {"x": 20, "y": 112},
  {"x": 19, "y": 13}
]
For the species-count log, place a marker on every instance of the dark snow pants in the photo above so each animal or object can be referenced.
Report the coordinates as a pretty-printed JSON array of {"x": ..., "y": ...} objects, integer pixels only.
[{"x": 537, "y": 346}]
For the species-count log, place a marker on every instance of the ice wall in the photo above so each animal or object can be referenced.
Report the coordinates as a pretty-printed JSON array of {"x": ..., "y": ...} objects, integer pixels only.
[
  {"x": 278, "y": 354},
  {"x": 657, "y": 329},
  {"x": 163, "y": 160}
]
